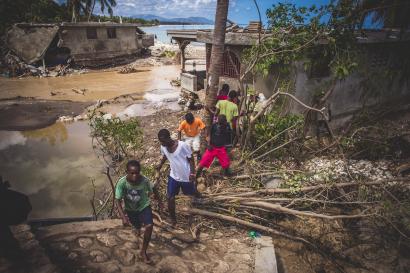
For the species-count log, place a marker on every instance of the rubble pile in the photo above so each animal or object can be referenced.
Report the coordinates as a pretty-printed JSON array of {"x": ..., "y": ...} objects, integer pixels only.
[
  {"x": 189, "y": 100},
  {"x": 336, "y": 169},
  {"x": 13, "y": 66}
]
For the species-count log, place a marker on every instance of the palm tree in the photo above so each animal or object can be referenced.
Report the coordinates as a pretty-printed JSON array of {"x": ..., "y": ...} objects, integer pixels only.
[
  {"x": 217, "y": 53},
  {"x": 103, "y": 3},
  {"x": 76, "y": 7}
]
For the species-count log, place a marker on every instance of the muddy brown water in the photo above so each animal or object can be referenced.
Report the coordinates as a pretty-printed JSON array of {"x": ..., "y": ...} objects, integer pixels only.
[
  {"x": 97, "y": 84},
  {"x": 55, "y": 165}
]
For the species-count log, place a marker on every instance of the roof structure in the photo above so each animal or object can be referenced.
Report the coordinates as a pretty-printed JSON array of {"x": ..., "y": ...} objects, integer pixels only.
[{"x": 31, "y": 44}]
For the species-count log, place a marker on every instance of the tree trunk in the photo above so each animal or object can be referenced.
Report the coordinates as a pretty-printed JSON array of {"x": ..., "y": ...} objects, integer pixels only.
[
  {"x": 216, "y": 56},
  {"x": 91, "y": 11}
]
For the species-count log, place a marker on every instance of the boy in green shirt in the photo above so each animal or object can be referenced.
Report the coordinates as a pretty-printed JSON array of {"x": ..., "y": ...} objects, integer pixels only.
[{"x": 134, "y": 189}]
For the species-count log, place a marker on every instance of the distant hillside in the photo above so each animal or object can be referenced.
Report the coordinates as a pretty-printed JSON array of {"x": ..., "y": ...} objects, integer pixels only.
[{"x": 188, "y": 20}]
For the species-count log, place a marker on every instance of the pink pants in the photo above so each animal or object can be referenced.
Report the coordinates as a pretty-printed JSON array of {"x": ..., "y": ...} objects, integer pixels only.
[{"x": 218, "y": 152}]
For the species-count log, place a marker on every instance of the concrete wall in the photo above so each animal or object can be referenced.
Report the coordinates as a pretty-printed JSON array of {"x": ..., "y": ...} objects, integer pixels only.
[
  {"x": 351, "y": 94},
  {"x": 82, "y": 49},
  {"x": 189, "y": 82}
]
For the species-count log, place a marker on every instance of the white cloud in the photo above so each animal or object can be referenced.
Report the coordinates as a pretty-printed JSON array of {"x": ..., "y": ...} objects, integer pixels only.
[
  {"x": 10, "y": 138},
  {"x": 167, "y": 8}
]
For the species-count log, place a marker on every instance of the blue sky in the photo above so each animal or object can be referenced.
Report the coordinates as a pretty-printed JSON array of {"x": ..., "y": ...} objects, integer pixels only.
[{"x": 240, "y": 11}]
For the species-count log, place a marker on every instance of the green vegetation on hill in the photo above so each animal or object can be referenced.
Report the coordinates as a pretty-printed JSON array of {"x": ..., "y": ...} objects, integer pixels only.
[{"x": 48, "y": 11}]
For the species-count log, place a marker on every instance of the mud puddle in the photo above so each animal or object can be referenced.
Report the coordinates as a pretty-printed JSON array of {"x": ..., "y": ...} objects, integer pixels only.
[{"x": 92, "y": 86}]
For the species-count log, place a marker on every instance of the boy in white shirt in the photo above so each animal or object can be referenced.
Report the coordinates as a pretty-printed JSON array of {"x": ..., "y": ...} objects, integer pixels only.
[{"x": 182, "y": 174}]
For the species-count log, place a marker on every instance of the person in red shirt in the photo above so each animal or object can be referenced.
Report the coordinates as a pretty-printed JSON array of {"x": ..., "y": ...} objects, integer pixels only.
[{"x": 223, "y": 93}]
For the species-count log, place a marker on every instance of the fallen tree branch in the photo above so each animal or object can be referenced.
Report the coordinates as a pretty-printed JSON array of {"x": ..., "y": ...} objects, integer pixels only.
[
  {"x": 321, "y": 186},
  {"x": 271, "y": 231},
  {"x": 279, "y": 208}
]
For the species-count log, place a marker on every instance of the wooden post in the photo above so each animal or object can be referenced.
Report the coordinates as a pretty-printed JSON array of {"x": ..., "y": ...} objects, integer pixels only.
[{"x": 182, "y": 45}]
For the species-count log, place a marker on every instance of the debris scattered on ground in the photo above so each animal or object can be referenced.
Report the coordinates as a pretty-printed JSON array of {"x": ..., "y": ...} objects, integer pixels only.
[
  {"x": 190, "y": 100},
  {"x": 81, "y": 91},
  {"x": 176, "y": 82}
]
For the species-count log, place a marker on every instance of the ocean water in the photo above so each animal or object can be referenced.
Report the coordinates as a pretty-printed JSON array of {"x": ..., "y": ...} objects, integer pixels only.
[{"x": 161, "y": 31}]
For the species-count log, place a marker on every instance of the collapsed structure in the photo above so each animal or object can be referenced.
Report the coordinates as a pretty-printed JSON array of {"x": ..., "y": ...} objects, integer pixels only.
[
  {"x": 383, "y": 48},
  {"x": 85, "y": 43}
]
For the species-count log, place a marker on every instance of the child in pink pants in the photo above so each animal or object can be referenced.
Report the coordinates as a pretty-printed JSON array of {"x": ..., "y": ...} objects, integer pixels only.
[{"x": 219, "y": 136}]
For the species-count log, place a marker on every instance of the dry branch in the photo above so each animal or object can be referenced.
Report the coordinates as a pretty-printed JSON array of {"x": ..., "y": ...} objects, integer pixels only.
[
  {"x": 312, "y": 188},
  {"x": 271, "y": 231},
  {"x": 279, "y": 208}
]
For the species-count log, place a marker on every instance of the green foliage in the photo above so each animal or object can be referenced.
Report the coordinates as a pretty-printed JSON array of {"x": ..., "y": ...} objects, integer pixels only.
[
  {"x": 37, "y": 11},
  {"x": 168, "y": 54},
  {"x": 48, "y": 11},
  {"x": 274, "y": 124},
  {"x": 115, "y": 137}
]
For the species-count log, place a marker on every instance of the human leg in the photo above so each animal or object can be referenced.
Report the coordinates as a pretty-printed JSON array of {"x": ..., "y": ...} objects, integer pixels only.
[
  {"x": 172, "y": 191},
  {"x": 224, "y": 160},
  {"x": 196, "y": 145},
  {"x": 145, "y": 217}
]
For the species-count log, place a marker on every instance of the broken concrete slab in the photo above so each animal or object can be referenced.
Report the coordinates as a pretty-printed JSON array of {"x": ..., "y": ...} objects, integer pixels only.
[
  {"x": 30, "y": 44},
  {"x": 265, "y": 258}
]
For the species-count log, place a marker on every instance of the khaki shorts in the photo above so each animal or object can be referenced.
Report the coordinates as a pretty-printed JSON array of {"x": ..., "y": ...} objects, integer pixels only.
[{"x": 193, "y": 142}]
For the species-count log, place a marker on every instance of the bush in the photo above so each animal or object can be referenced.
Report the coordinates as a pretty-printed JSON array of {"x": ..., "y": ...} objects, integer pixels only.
[
  {"x": 272, "y": 125},
  {"x": 116, "y": 138}
]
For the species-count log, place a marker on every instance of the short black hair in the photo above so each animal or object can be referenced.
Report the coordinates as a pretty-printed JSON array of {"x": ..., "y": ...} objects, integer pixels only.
[
  {"x": 189, "y": 116},
  {"x": 134, "y": 163},
  {"x": 225, "y": 88},
  {"x": 233, "y": 94},
  {"x": 164, "y": 133},
  {"x": 222, "y": 117}
]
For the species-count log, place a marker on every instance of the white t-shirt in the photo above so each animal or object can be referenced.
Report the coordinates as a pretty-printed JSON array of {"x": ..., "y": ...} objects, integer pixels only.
[{"x": 180, "y": 168}]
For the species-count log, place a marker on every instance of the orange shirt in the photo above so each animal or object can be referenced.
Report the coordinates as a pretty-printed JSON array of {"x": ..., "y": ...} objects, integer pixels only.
[{"x": 193, "y": 129}]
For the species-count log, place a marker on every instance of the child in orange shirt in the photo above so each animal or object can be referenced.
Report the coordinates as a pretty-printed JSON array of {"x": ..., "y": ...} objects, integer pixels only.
[{"x": 192, "y": 128}]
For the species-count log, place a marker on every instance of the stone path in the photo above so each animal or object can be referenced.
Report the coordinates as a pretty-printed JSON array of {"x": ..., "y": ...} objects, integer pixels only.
[
  {"x": 108, "y": 247},
  {"x": 36, "y": 259}
]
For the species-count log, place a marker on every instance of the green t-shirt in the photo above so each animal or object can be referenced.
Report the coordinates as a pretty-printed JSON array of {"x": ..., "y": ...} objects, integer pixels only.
[
  {"x": 135, "y": 196},
  {"x": 227, "y": 108}
]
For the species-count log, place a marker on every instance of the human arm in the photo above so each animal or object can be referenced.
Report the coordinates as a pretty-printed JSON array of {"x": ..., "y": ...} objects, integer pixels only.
[
  {"x": 154, "y": 192},
  {"x": 208, "y": 131},
  {"x": 119, "y": 195},
  {"x": 158, "y": 170},
  {"x": 125, "y": 220},
  {"x": 192, "y": 175},
  {"x": 161, "y": 163},
  {"x": 179, "y": 135}
]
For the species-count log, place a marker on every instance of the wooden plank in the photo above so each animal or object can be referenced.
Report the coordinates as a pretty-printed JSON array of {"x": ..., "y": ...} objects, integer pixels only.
[{"x": 265, "y": 258}]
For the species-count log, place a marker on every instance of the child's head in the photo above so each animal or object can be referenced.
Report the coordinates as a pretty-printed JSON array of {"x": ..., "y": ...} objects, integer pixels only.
[
  {"x": 164, "y": 137},
  {"x": 189, "y": 117},
  {"x": 222, "y": 120},
  {"x": 233, "y": 95},
  {"x": 133, "y": 171},
  {"x": 224, "y": 89}
]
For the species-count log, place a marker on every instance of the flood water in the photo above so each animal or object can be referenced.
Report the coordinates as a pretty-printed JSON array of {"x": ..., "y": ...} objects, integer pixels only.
[
  {"x": 97, "y": 85},
  {"x": 54, "y": 166}
]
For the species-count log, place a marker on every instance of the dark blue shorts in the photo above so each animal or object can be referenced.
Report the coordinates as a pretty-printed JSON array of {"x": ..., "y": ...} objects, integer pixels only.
[
  {"x": 137, "y": 218},
  {"x": 188, "y": 188}
]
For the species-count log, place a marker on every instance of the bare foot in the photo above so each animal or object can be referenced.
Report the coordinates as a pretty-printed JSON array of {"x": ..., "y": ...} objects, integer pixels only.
[{"x": 145, "y": 258}]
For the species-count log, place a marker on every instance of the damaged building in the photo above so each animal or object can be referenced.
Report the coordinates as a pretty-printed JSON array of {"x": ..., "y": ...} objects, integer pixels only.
[
  {"x": 383, "y": 49},
  {"x": 86, "y": 44}
]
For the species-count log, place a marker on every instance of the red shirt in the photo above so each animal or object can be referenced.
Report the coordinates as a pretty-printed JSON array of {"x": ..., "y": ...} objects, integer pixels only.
[{"x": 222, "y": 97}]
